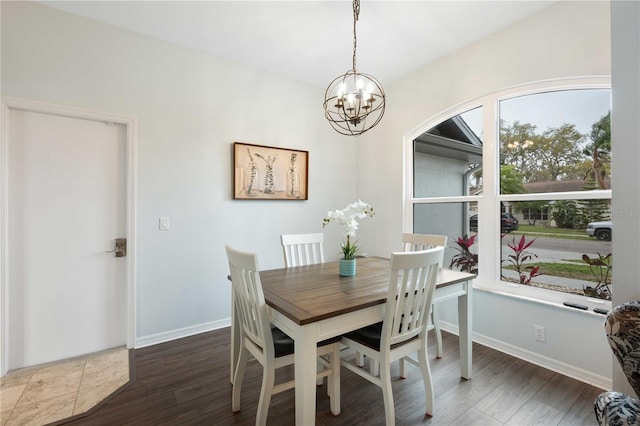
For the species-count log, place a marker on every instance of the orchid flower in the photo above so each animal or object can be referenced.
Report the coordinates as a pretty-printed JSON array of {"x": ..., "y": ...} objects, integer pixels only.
[{"x": 348, "y": 218}]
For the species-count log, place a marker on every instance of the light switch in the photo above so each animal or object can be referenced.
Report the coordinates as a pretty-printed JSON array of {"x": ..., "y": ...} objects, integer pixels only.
[{"x": 164, "y": 224}]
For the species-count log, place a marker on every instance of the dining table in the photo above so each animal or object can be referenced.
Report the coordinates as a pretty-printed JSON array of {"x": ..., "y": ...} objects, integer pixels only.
[{"x": 313, "y": 303}]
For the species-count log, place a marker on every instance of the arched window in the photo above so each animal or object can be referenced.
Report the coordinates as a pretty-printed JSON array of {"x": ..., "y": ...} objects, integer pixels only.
[{"x": 520, "y": 181}]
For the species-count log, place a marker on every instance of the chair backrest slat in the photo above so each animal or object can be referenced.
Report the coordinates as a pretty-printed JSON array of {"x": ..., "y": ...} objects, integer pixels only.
[
  {"x": 302, "y": 249},
  {"x": 250, "y": 305},
  {"x": 411, "y": 285},
  {"x": 417, "y": 242}
]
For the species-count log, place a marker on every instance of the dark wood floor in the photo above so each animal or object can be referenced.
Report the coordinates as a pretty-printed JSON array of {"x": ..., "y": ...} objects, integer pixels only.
[{"x": 186, "y": 382}]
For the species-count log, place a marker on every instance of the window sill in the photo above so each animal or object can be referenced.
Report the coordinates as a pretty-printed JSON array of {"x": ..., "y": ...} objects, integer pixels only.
[{"x": 556, "y": 301}]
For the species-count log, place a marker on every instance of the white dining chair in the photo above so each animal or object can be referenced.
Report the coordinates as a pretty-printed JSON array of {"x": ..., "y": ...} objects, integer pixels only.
[
  {"x": 269, "y": 345},
  {"x": 299, "y": 250},
  {"x": 415, "y": 242},
  {"x": 404, "y": 328},
  {"x": 302, "y": 249}
]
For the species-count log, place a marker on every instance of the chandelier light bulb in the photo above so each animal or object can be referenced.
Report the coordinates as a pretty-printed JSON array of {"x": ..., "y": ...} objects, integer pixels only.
[{"x": 366, "y": 97}]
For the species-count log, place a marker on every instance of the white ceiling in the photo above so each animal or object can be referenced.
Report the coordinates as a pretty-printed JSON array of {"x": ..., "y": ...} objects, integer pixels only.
[{"x": 312, "y": 41}]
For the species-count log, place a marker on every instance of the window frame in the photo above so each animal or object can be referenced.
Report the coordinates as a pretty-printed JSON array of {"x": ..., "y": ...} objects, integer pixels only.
[{"x": 489, "y": 269}]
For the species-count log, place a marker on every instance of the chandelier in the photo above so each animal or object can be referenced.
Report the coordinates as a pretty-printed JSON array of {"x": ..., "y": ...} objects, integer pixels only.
[{"x": 354, "y": 102}]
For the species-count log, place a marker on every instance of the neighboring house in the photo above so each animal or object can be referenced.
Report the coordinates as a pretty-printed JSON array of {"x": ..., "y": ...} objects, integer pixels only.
[
  {"x": 545, "y": 216},
  {"x": 442, "y": 156},
  {"x": 554, "y": 186}
]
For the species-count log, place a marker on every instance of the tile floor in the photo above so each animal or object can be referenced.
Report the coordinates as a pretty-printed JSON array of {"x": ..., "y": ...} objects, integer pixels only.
[{"x": 44, "y": 394}]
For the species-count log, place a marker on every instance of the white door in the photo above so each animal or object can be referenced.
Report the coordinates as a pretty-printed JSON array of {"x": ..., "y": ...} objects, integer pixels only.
[{"x": 66, "y": 205}]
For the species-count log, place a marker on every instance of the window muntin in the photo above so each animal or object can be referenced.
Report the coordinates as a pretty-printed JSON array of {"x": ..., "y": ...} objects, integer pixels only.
[{"x": 493, "y": 200}]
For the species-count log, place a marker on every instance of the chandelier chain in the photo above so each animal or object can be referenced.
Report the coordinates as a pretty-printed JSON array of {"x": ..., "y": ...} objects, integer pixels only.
[
  {"x": 354, "y": 102},
  {"x": 356, "y": 14}
]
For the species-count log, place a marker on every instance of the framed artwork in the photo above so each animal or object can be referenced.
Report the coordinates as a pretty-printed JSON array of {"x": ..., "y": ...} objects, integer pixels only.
[{"x": 269, "y": 173}]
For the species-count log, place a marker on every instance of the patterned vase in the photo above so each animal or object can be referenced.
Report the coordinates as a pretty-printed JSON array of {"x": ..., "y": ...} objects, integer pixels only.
[{"x": 347, "y": 267}]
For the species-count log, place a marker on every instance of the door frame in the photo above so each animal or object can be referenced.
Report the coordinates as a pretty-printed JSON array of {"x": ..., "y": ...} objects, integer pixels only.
[{"x": 130, "y": 124}]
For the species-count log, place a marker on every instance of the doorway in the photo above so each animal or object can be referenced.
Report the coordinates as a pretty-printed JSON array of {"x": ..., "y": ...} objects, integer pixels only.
[{"x": 68, "y": 179}]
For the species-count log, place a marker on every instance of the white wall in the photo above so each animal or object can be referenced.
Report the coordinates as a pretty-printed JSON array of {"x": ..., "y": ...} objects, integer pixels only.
[
  {"x": 190, "y": 108},
  {"x": 625, "y": 138},
  {"x": 565, "y": 40}
]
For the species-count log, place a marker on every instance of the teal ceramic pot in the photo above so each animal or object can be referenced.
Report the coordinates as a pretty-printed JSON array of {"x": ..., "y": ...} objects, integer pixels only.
[{"x": 347, "y": 267}]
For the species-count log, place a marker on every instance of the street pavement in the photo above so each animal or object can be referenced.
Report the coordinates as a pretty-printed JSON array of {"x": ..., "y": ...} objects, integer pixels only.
[{"x": 551, "y": 250}]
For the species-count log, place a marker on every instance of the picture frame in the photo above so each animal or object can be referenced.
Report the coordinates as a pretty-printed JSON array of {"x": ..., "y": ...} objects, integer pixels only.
[{"x": 269, "y": 173}]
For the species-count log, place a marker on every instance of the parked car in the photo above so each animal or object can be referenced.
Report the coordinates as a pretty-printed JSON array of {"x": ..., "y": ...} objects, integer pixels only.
[
  {"x": 508, "y": 222},
  {"x": 600, "y": 230}
]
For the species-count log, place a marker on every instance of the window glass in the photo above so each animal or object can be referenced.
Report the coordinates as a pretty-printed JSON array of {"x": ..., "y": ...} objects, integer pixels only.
[
  {"x": 562, "y": 245},
  {"x": 555, "y": 142},
  {"x": 549, "y": 183},
  {"x": 452, "y": 148},
  {"x": 456, "y": 221}
]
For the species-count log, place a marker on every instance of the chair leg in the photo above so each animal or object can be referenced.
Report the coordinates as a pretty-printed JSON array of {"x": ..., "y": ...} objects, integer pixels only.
[
  {"x": 241, "y": 367},
  {"x": 333, "y": 381},
  {"x": 436, "y": 328},
  {"x": 319, "y": 368},
  {"x": 374, "y": 367},
  {"x": 426, "y": 378},
  {"x": 403, "y": 374},
  {"x": 268, "y": 379},
  {"x": 387, "y": 394}
]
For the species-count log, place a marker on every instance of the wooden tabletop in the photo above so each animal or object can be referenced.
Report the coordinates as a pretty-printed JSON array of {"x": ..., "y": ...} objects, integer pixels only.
[{"x": 306, "y": 294}]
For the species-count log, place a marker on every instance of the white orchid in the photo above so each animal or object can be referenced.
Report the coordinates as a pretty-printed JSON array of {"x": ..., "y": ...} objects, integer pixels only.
[{"x": 347, "y": 217}]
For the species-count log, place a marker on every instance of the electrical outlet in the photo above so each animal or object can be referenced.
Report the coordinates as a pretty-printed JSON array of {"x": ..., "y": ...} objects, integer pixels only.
[{"x": 539, "y": 333}]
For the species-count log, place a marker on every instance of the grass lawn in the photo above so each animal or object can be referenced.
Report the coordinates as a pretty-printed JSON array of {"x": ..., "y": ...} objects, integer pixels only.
[{"x": 566, "y": 270}]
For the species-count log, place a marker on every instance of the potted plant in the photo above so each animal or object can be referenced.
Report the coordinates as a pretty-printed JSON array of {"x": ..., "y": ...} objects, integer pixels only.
[{"x": 348, "y": 218}]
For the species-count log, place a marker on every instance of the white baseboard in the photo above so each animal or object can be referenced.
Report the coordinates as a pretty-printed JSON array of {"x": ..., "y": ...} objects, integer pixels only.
[
  {"x": 537, "y": 359},
  {"x": 532, "y": 357},
  {"x": 154, "y": 339}
]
